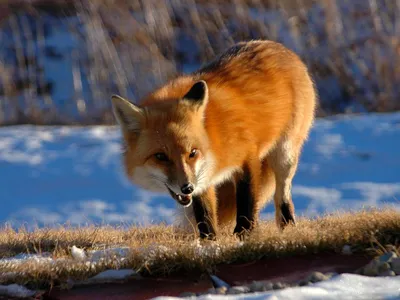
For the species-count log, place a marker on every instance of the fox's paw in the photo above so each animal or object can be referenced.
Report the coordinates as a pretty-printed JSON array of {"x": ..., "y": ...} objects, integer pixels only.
[
  {"x": 241, "y": 233},
  {"x": 208, "y": 237},
  {"x": 286, "y": 216}
]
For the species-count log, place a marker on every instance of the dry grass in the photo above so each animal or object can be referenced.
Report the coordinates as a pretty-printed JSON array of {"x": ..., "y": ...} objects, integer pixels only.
[
  {"x": 162, "y": 250},
  {"x": 129, "y": 47}
]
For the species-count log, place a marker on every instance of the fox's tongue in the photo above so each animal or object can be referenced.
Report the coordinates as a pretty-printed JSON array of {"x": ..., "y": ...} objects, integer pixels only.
[{"x": 184, "y": 199}]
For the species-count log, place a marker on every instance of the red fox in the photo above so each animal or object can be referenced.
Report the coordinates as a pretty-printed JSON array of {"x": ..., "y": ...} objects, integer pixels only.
[{"x": 239, "y": 122}]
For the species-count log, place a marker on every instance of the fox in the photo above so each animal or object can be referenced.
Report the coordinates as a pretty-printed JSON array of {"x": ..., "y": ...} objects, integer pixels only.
[{"x": 224, "y": 139}]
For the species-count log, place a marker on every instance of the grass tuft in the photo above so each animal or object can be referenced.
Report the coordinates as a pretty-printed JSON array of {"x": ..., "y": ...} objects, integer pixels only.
[{"x": 163, "y": 250}]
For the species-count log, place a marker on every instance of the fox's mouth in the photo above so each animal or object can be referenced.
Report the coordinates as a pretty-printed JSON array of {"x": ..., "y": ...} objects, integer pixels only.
[{"x": 184, "y": 200}]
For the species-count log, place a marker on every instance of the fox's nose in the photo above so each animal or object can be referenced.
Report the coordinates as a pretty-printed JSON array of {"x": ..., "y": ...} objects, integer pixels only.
[{"x": 187, "y": 188}]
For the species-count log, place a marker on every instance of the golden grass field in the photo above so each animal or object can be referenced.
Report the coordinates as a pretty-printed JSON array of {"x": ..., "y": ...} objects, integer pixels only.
[{"x": 162, "y": 250}]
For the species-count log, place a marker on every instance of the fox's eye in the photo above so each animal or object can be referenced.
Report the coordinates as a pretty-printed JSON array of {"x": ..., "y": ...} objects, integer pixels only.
[
  {"x": 193, "y": 153},
  {"x": 161, "y": 156}
]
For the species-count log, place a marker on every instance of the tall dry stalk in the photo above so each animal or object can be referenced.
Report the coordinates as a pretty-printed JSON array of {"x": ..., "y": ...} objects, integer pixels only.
[{"x": 131, "y": 47}]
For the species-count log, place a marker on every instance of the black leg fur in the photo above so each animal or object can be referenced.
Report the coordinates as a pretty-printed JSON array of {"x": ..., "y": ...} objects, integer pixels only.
[
  {"x": 203, "y": 219},
  {"x": 287, "y": 215},
  {"x": 245, "y": 205}
]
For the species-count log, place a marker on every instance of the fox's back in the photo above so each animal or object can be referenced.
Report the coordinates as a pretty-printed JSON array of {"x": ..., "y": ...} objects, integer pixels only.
[{"x": 252, "y": 97}]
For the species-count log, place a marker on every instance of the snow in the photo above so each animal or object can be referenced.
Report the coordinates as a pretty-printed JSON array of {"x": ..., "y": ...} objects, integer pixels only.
[
  {"x": 77, "y": 253},
  {"x": 89, "y": 258},
  {"x": 344, "y": 286},
  {"x": 68, "y": 44},
  {"x": 111, "y": 275},
  {"x": 15, "y": 290},
  {"x": 26, "y": 258},
  {"x": 118, "y": 254},
  {"x": 74, "y": 175},
  {"x": 121, "y": 252}
]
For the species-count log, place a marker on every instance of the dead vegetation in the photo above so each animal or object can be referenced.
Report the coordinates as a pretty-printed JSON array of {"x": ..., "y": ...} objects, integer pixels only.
[
  {"x": 129, "y": 47},
  {"x": 163, "y": 250}
]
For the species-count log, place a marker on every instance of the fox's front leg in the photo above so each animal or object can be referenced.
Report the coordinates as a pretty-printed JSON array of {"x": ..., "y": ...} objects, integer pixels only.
[
  {"x": 247, "y": 194},
  {"x": 205, "y": 212}
]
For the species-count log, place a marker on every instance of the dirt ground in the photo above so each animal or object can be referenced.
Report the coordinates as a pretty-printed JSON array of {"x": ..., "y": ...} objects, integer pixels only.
[{"x": 287, "y": 270}]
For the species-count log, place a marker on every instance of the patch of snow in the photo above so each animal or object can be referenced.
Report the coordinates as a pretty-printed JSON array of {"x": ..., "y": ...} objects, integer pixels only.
[
  {"x": 89, "y": 258},
  {"x": 344, "y": 286},
  {"x": 15, "y": 290},
  {"x": 112, "y": 275},
  {"x": 329, "y": 145},
  {"x": 26, "y": 258},
  {"x": 121, "y": 252},
  {"x": 41, "y": 216},
  {"x": 374, "y": 192},
  {"x": 21, "y": 259},
  {"x": 52, "y": 175},
  {"x": 78, "y": 253},
  {"x": 204, "y": 250}
]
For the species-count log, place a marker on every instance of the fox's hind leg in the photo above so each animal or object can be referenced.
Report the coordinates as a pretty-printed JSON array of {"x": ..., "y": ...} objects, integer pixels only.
[
  {"x": 267, "y": 184},
  {"x": 283, "y": 160}
]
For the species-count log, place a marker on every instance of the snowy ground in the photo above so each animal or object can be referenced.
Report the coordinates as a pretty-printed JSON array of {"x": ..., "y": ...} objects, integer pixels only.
[
  {"x": 51, "y": 175},
  {"x": 89, "y": 258},
  {"x": 344, "y": 286}
]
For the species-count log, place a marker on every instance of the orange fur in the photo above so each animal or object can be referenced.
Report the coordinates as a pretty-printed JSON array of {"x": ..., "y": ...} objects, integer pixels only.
[{"x": 260, "y": 108}]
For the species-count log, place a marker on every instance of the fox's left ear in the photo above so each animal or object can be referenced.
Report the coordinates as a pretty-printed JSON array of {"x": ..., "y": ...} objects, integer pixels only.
[
  {"x": 128, "y": 115},
  {"x": 198, "y": 94}
]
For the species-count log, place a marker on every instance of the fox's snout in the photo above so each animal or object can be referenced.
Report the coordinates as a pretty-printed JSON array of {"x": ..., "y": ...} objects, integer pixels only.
[
  {"x": 187, "y": 188},
  {"x": 183, "y": 181}
]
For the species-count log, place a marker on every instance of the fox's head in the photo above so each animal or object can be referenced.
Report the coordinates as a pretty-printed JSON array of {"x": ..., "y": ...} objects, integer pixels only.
[{"x": 166, "y": 145}]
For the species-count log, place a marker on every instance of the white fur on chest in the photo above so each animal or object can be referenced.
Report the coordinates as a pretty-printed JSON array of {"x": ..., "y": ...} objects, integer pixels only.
[
  {"x": 225, "y": 175},
  {"x": 219, "y": 178}
]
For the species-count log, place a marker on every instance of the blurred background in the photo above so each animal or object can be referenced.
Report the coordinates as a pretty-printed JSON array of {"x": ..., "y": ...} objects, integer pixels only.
[{"x": 60, "y": 60}]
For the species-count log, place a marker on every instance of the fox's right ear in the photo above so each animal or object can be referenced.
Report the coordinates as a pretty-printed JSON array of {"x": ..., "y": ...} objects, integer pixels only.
[
  {"x": 128, "y": 115},
  {"x": 197, "y": 96}
]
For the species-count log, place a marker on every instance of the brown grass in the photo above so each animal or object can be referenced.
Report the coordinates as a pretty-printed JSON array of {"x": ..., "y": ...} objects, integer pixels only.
[
  {"x": 163, "y": 250},
  {"x": 130, "y": 47}
]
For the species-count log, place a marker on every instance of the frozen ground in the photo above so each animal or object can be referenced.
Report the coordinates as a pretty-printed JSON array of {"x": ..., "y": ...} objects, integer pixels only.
[
  {"x": 344, "y": 286},
  {"x": 91, "y": 258},
  {"x": 51, "y": 175}
]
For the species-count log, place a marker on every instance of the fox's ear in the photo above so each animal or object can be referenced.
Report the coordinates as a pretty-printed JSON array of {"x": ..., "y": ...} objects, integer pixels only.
[
  {"x": 198, "y": 94},
  {"x": 128, "y": 115}
]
